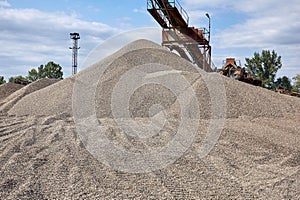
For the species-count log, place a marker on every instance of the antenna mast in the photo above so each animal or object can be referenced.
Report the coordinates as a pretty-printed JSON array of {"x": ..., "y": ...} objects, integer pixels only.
[{"x": 75, "y": 37}]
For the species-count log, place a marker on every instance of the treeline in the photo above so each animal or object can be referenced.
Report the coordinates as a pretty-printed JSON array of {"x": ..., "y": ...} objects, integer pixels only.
[
  {"x": 50, "y": 70},
  {"x": 264, "y": 67}
]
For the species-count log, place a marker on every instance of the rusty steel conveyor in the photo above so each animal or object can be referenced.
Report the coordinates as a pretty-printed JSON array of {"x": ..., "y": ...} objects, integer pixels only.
[{"x": 174, "y": 20}]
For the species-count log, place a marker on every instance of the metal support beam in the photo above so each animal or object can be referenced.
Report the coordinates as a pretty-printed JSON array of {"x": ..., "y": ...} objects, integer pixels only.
[{"x": 176, "y": 31}]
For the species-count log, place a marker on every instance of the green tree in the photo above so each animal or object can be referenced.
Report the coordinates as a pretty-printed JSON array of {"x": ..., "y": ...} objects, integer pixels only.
[
  {"x": 2, "y": 80},
  {"x": 53, "y": 70},
  {"x": 284, "y": 82},
  {"x": 41, "y": 72},
  {"x": 33, "y": 75},
  {"x": 296, "y": 83},
  {"x": 12, "y": 79},
  {"x": 264, "y": 67},
  {"x": 50, "y": 70}
]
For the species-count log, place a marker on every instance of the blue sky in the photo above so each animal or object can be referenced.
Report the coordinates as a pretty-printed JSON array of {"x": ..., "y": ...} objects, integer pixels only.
[{"x": 34, "y": 32}]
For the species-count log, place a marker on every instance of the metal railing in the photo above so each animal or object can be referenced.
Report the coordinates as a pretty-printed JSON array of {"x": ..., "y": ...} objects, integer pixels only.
[
  {"x": 183, "y": 13},
  {"x": 153, "y": 4}
]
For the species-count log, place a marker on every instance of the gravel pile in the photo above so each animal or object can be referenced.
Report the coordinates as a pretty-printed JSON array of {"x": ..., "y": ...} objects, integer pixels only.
[
  {"x": 59, "y": 95},
  {"x": 43, "y": 158},
  {"x": 7, "y": 89},
  {"x": 241, "y": 98},
  {"x": 15, "y": 97},
  {"x": 43, "y": 155},
  {"x": 53, "y": 99}
]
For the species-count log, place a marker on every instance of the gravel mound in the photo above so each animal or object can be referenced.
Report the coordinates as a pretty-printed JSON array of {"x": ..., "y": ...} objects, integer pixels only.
[
  {"x": 53, "y": 99},
  {"x": 43, "y": 158},
  {"x": 59, "y": 95},
  {"x": 43, "y": 155},
  {"x": 15, "y": 97},
  {"x": 249, "y": 100},
  {"x": 241, "y": 98},
  {"x": 7, "y": 89}
]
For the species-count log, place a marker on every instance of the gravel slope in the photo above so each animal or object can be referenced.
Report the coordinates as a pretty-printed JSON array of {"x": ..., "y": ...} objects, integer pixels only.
[
  {"x": 7, "y": 89},
  {"x": 256, "y": 157},
  {"x": 15, "y": 97}
]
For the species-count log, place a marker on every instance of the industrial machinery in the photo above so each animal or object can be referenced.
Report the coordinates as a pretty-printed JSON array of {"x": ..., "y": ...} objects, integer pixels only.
[
  {"x": 21, "y": 81},
  {"x": 232, "y": 70},
  {"x": 191, "y": 43},
  {"x": 282, "y": 90}
]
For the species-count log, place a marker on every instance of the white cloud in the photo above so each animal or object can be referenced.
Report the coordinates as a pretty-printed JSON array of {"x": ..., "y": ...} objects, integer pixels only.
[
  {"x": 116, "y": 42},
  {"x": 4, "y": 4},
  {"x": 259, "y": 32},
  {"x": 205, "y": 4},
  {"x": 124, "y": 23},
  {"x": 265, "y": 22},
  {"x": 30, "y": 37},
  {"x": 140, "y": 10},
  {"x": 248, "y": 6}
]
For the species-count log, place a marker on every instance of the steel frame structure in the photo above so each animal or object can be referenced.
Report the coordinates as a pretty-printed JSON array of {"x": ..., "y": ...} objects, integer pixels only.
[
  {"x": 174, "y": 20},
  {"x": 75, "y": 37}
]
